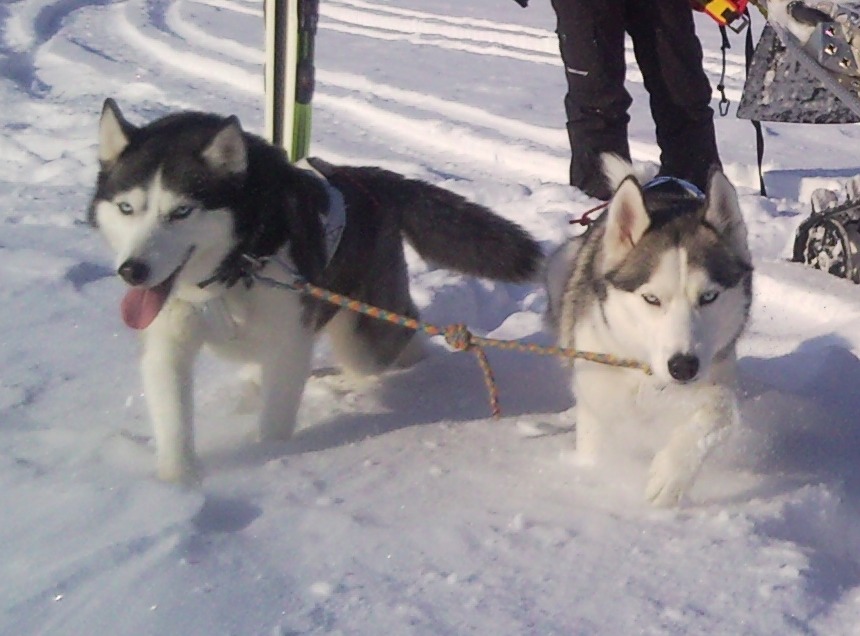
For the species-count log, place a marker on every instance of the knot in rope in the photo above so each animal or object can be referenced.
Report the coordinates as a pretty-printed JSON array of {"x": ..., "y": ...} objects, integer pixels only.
[{"x": 458, "y": 337}]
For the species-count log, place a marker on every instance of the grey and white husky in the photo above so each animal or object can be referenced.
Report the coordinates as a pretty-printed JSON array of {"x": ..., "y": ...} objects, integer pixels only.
[
  {"x": 664, "y": 276},
  {"x": 183, "y": 199}
]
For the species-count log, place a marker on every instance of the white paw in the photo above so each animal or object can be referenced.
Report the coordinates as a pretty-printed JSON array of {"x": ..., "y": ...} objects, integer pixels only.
[
  {"x": 583, "y": 458},
  {"x": 668, "y": 480},
  {"x": 587, "y": 450}
]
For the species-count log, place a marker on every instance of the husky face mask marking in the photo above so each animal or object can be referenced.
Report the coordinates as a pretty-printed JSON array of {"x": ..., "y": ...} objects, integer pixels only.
[
  {"x": 663, "y": 277},
  {"x": 166, "y": 241},
  {"x": 677, "y": 281}
]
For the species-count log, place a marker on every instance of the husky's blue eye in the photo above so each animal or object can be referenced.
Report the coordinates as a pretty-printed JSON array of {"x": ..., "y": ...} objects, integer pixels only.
[
  {"x": 708, "y": 297},
  {"x": 180, "y": 212},
  {"x": 651, "y": 299},
  {"x": 125, "y": 208}
]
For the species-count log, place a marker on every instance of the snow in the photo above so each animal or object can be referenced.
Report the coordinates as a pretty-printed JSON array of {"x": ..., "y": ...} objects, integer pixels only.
[{"x": 400, "y": 507}]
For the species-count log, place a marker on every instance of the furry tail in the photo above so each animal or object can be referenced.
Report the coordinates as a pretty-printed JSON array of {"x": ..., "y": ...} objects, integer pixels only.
[{"x": 454, "y": 233}]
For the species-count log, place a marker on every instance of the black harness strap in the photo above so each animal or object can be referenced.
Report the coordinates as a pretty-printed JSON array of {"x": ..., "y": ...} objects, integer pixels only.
[
  {"x": 749, "y": 49},
  {"x": 721, "y": 85}
]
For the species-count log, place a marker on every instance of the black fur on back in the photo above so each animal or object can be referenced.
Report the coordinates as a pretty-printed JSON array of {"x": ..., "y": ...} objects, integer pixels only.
[
  {"x": 282, "y": 206},
  {"x": 443, "y": 227}
]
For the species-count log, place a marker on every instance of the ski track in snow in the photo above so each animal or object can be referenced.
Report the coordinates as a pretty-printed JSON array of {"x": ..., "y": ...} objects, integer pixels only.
[
  {"x": 177, "y": 44},
  {"x": 787, "y": 517}
]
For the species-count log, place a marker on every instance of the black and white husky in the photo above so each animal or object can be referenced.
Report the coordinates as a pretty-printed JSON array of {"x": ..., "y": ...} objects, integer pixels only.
[
  {"x": 665, "y": 277},
  {"x": 183, "y": 199}
]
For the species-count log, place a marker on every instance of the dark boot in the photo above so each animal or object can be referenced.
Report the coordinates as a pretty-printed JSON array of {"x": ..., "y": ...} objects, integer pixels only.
[
  {"x": 670, "y": 57},
  {"x": 586, "y": 164},
  {"x": 591, "y": 41}
]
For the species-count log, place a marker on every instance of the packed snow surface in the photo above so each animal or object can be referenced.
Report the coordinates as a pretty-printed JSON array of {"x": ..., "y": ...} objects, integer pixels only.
[{"x": 400, "y": 507}]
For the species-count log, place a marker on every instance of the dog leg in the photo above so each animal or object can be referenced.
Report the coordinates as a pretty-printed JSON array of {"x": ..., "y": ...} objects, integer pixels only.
[
  {"x": 366, "y": 346},
  {"x": 284, "y": 374},
  {"x": 168, "y": 359},
  {"x": 590, "y": 431},
  {"x": 597, "y": 392},
  {"x": 249, "y": 389},
  {"x": 675, "y": 467},
  {"x": 413, "y": 353}
]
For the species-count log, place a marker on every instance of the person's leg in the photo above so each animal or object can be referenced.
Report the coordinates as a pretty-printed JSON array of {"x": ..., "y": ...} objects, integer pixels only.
[
  {"x": 591, "y": 40},
  {"x": 670, "y": 57}
]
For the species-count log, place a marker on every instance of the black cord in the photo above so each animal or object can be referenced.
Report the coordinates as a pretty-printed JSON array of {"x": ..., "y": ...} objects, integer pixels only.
[{"x": 721, "y": 86}]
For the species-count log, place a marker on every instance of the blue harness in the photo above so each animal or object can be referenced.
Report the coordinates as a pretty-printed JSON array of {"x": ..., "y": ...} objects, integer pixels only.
[
  {"x": 656, "y": 182},
  {"x": 686, "y": 185}
]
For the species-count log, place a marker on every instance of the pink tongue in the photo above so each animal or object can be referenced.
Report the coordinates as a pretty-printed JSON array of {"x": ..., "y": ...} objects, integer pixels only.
[{"x": 140, "y": 306}]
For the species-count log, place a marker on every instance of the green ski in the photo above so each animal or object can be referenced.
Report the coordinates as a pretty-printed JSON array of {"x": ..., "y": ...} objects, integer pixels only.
[{"x": 290, "y": 32}]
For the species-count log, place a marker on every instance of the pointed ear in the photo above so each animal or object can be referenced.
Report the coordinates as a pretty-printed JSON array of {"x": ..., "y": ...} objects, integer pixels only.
[
  {"x": 626, "y": 222},
  {"x": 723, "y": 212},
  {"x": 114, "y": 133},
  {"x": 227, "y": 153}
]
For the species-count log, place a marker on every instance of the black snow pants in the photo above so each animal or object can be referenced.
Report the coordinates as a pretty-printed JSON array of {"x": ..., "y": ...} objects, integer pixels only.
[{"x": 669, "y": 56}]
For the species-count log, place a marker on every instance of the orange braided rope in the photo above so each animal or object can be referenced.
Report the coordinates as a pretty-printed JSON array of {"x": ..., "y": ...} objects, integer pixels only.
[{"x": 457, "y": 336}]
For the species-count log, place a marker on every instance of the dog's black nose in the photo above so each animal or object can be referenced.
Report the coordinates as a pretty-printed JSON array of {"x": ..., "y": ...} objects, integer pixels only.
[
  {"x": 134, "y": 272},
  {"x": 683, "y": 366}
]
